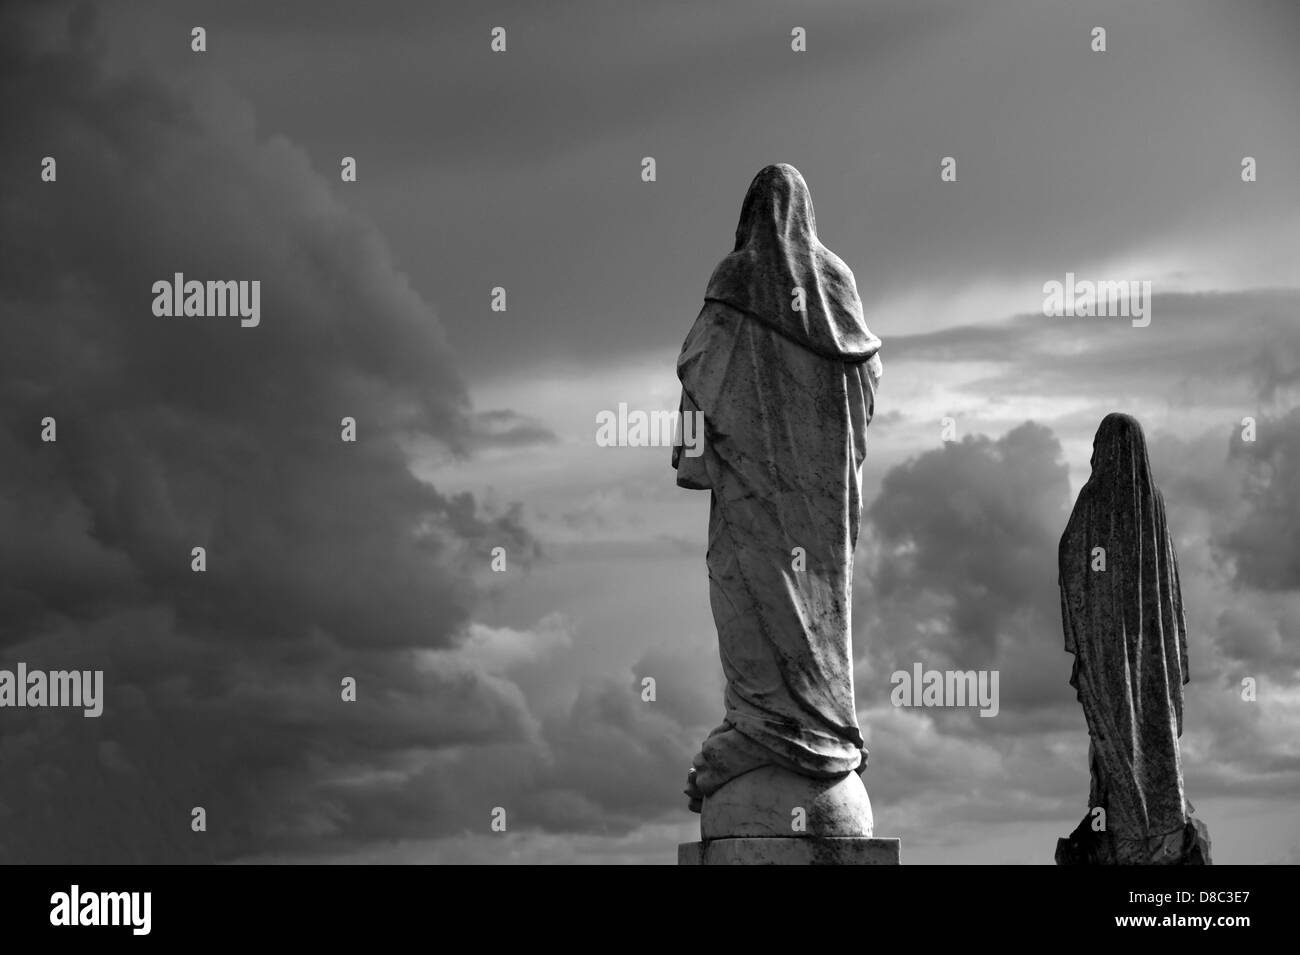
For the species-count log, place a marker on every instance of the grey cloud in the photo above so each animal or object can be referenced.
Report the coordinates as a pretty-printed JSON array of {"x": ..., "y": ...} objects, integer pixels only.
[
  {"x": 1196, "y": 342},
  {"x": 974, "y": 526},
  {"x": 1266, "y": 544},
  {"x": 600, "y": 265},
  {"x": 502, "y": 428},
  {"x": 325, "y": 559}
]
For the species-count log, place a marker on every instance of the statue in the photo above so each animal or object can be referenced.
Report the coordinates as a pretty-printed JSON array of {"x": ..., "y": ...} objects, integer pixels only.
[
  {"x": 784, "y": 370},
  {"x": 1122, "y": 611}
]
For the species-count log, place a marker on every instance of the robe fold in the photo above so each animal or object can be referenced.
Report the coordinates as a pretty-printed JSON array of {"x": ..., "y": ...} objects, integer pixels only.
[
  {"x": 1126, "y": 628},
  {"x": 786, "y": 398}
]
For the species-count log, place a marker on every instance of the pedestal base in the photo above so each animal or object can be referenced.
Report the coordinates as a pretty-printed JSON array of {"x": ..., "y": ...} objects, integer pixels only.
[{"x": 790, "y": 850}]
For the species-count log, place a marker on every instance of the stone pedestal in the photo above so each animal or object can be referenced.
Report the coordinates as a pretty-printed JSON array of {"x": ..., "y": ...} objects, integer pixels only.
[{"x": 771, "y": 816}]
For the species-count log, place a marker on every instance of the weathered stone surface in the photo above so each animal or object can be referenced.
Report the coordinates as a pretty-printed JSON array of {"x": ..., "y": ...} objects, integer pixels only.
[
  {"x": 805, "y": 850},
  {"x": 782, "y": 368},
  {"x": 1188, "y": 846},
  {"x": 766, "y": 802},
  {"x": 1122, "y": 611}
]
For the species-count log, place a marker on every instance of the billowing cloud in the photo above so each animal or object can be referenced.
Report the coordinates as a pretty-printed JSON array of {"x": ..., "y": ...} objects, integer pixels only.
[
  {"x": 325, "y": 559},
  {"x": 965, "y": 537},
  {"x": 1266, "y": 544}
]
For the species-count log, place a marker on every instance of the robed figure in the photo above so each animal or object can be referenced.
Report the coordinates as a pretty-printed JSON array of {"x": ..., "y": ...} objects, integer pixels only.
[
  {"x": 1122, "y": 612},
  {"x": 784, "y": 369}
]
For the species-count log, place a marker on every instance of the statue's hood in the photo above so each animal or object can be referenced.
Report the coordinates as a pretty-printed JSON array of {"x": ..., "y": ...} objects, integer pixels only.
[{"x": 777, "y": 251}]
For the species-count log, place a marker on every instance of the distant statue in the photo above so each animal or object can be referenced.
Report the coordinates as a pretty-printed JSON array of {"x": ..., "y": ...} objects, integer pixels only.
[
  {"x": 1122, "y": 611},
  {"x": 784, "y": 370}
]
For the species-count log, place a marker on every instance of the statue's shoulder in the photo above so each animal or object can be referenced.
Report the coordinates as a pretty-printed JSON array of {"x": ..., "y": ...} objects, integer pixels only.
[
  {"x": 715, "y": 309},
  {"x": 715, "y": 316}
]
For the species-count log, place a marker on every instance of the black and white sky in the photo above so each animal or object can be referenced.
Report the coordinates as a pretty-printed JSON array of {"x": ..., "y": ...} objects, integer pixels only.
[{"x": 476, "y": 428}]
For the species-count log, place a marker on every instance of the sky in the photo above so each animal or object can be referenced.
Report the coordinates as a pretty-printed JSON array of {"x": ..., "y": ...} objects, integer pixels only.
[{"x": 522, "y": 169}]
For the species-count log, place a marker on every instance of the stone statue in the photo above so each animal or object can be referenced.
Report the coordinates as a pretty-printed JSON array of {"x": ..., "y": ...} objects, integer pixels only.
[
  {"x": 784, "y": 370},
  {"x": 1122, "y": 612}
]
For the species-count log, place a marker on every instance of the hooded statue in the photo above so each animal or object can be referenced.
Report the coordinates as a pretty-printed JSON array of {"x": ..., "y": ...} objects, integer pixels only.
[
  {"x": 783, "y": 369},
  {"x": 1122, "y": 612}
]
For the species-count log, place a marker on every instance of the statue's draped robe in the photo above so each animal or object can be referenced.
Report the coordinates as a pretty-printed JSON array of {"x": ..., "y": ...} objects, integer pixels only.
[
  {"x": 786, "y": 398},
  {"x": 1126, "y": 629}
]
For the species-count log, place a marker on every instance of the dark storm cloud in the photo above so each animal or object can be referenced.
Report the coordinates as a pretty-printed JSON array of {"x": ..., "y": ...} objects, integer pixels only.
[
  {"x": 325, "y": 559},
  {"x": 970, "y": 529},
  {"x": 1058, "y": 163},
  {"x": 1065, "y": 155},
  {"x": 612, "y": 760},
  {"x": 607, "y": 763}
]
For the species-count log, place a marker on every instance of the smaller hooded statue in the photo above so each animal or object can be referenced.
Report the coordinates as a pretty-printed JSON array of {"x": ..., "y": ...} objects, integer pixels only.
[{"x": 1122, "y": 612}]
